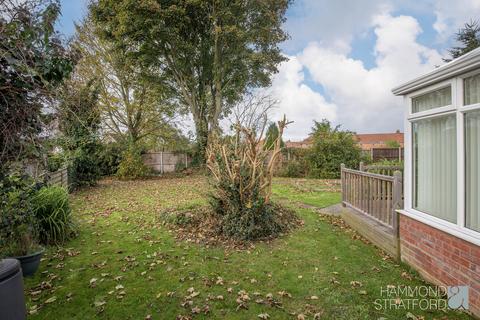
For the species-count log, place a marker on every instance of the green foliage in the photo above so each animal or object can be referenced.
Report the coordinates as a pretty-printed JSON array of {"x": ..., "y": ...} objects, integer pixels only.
[
  {"x": 53, "y": 213},
  {"x": 222, "y": 49},
  {"x": 33, "y": 63},
  {"x": 271, "y": 137},
  {"x": 293, "y": 169},
  {"x": 132, "y": 165},
  {"x": 109, "y": 157},
  {"x": 55, "y": 162},
  {"x": 331, "y": 147},
  {"x": 392, "y": 144},
  {"x": 297, "y": 166},
  {"x": 18, "y": 226},
  {"x": 255, "y": 220},
  {"x": 79, "y": 122},
  {"x": 468, "y": 37}
]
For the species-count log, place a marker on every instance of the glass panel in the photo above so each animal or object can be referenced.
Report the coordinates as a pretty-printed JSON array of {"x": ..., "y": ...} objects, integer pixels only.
[
  {"x": 435, "y": 167},
  {"x": 435, "y": 99},
  {"x": 471, "y": 90},
  {"x": 472, "y": 178}
]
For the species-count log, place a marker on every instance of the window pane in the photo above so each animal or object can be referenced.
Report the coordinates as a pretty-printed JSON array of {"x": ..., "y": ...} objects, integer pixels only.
[
  {"x": 471, "y": 90},
  {"x": 435, "y": 99},
  {"x": 472, "y": 179},
  {"x": 435, "y": 167}
]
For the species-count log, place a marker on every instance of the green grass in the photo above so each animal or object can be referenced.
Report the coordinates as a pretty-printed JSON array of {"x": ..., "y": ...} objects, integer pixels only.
[{"x": 121, "y": 235}]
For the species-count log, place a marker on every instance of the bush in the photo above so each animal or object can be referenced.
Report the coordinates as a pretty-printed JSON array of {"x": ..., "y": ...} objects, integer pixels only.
[
  {"x": 18, "y": 226},
  {"x": 132, "y": 166},
  {"x": 294, "y": 169},
  {"x": 331, "y": 147},
  {"x": 53, "y": 213},
  {"x": 109, "y": 158},
  {"x": 83, "y": 167},
  {"x": 55, "y": 162},
  {"x": 242, "y": 184}
]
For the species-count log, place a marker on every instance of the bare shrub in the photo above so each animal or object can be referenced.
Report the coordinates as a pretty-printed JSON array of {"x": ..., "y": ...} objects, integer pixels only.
[{"x": 242, "y": 173}]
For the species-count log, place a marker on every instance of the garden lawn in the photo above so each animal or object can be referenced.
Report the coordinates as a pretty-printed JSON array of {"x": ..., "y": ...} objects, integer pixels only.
[{"x": 126, "y": 264}]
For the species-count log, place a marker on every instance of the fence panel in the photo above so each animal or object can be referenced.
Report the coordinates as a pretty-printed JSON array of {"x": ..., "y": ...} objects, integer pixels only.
[
  {"x": 57, "y": 178},
  {"x": 166, "y": 161},
  {"x": 392, "y": 154},
  {"x": 376, "y": 195}
]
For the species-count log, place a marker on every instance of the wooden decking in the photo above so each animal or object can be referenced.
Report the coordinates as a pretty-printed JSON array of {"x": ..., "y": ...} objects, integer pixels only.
[{"x": 378, "y": 233}]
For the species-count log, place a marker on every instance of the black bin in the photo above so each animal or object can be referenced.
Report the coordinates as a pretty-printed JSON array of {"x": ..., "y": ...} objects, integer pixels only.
[{"x": 12, "y": 300}]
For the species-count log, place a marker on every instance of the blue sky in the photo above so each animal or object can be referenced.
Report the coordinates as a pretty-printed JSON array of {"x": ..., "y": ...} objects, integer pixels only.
[{"x": 346, "y": 55}]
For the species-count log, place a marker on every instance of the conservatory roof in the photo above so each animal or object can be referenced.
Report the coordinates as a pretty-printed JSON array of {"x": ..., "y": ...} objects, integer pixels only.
[{"x": 463, "y": 64}]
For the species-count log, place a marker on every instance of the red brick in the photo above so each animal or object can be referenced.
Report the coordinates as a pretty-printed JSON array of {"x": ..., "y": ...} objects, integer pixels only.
[{"x": 441, "y": 257}]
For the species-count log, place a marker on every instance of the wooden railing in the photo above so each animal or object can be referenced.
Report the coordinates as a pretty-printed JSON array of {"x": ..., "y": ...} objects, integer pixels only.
[
  {"x": 387, "y": 170},
  {"x": 375, "y": 195}
]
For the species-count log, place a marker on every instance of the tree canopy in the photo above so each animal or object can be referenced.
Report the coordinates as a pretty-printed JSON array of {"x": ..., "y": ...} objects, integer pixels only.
[
  {"x": 469, "y": 39},
  {"x": 33, "y": 62},
  {"x": 271, "y": 136},
  {"x": 209, "y": 52},
  {"x": 133, "y": 106}
]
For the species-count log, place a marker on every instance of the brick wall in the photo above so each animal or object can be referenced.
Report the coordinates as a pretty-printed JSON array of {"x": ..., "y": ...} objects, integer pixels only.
[{"x": 441, "y": 258}]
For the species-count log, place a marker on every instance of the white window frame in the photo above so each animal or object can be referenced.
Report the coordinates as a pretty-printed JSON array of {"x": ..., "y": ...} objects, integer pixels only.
[{"x": 456, "y": 229}]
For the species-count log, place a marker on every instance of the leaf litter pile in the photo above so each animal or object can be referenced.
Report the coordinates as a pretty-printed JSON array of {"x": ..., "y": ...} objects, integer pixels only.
[
  {"x": 201, "y": 225},
  {"x": 136, "y": 259}
]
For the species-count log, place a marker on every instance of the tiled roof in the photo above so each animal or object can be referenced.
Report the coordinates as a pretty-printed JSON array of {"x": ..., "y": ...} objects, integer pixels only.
[
  {"x": 367, "y": 138},
  {"x": 371, "y": 138}
]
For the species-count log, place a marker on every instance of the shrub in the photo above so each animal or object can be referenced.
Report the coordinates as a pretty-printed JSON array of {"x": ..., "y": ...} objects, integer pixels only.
[
  {"x": 83, "y": 167},
  {"x": 242, "y": 184},
  {"x": 18, "y": 226},
  {"x": 55, "y": 162},
  {"x": 109, "y": 157},
  {"x": 132, "y": 165},
  {"x": 331, "y": 147},
  {"x": 53, "y": 213},
  {"x": 294, "y": 169}
]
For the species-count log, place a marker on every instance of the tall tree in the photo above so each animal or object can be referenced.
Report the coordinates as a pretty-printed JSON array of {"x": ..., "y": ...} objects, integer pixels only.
[
  {"x": 33, "y": 63},
  {"x": 469, "y": 39},
  {"x": 134, "y": 106},
  {"x": 210, "y": 51},
  {"x": 271, "y": 136},
  {"x": 79, "y": 124}
]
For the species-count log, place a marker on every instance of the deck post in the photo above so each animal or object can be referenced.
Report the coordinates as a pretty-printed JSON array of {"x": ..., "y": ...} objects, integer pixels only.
[
  {"x": 342, "y": 177},
  {"x": 397, "y": 204}
]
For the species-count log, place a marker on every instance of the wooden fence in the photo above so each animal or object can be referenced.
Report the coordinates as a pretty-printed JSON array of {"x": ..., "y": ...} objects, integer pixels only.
[
  {"x": 374, "y": 195},
  {"x": 392, "y": 154},
  {"x": 162, "y": 162},
  {"x": 57, "y": 178}
]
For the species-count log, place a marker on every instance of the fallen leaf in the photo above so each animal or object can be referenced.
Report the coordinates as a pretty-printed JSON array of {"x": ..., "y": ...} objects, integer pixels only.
[{"x": 50, "y": 300}]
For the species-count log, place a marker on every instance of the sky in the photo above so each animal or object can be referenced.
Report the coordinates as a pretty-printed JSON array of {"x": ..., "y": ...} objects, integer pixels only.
[{"x": 345, "y": 56}]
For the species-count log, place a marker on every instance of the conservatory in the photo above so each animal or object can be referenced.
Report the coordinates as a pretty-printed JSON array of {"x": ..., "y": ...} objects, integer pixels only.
[{"x": 440, "y": 222}]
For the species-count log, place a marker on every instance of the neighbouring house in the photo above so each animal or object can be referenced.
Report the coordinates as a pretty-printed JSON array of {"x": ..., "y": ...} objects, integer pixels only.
[
  {"x": 366, "y": 141},
  {"x": 369, "y": 141},
  {"x": 440, "y": 222},
  {"x": 304, "y": 144}
]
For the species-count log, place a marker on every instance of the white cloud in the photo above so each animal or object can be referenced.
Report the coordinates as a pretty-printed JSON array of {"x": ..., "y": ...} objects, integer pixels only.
[
  {"x": 363, "y": 96},
  {"x": 452, "y": 15},
  {"x": 332, "y": 23},
  {"x": 298, "y": 101}
]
